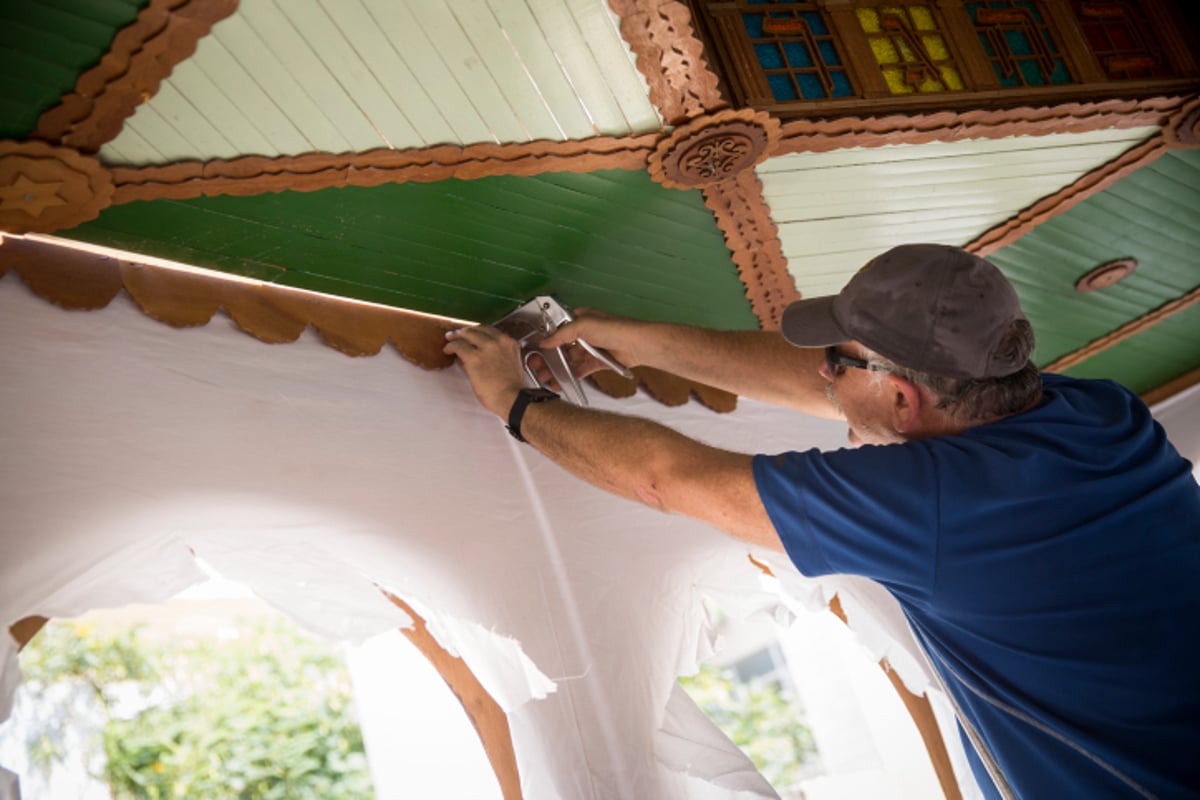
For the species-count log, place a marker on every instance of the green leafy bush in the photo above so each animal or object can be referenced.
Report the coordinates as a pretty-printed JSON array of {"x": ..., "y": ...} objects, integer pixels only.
[{"x": 265, "y": 715}]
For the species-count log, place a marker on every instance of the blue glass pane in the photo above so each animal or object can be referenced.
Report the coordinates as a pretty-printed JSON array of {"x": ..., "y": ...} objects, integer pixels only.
[
  {"x": 1032, "y": 73},
  {"x": 1018, "y": 44},
  {"x": 815, "y": 23},
  {"x": 841, "y": 85},
  {"x": 1060, "y": 74},
  {"x": 759, "y": 2},
  {"x": 828, "y": 53},
  {"x": 797, "y": 54},
  {"x": 753, "y": 23},
  {"x": 769, "y": 56},
  {"x": 810, "y": 87},
  {"x": 781, "y": 87}
]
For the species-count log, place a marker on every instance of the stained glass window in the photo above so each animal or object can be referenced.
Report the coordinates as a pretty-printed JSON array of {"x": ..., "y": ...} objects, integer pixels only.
[
  {"x": 1121, "y": 39},
  {"x": 1019, "y": 42},
  {"x": 798, "y": 52},
  {"x": 910, "y": 48}
]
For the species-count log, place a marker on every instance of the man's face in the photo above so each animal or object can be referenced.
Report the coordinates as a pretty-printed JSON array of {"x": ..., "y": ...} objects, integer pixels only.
[{"x": 862, "y": 397}]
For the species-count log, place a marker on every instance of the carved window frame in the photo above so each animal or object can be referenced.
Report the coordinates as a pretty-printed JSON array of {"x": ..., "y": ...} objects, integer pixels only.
[{"x": 745, "y": 82}]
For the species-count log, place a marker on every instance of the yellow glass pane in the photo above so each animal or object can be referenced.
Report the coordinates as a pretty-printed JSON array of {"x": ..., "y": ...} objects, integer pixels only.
[
  {"x": 895, "y": 81},
  {"x": 951, "y": 78},
  {"x": 906, "y": 52},
  {"x": 884, "y": 52},
  {"x": 922, "y": 18},
  {"x": 868, "y": 19},
  {"x": 935, "y": 46}
]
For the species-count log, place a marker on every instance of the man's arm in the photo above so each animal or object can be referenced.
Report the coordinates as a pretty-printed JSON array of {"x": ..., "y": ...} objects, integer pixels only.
[
  {"x": 760, "y": 365},
  {"x": 635, "y": 458}
]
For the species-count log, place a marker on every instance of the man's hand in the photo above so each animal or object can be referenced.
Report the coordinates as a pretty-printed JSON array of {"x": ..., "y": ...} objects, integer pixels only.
[
  {"x": 605, "y": 331},
  {"x": 492, "y": 362}
]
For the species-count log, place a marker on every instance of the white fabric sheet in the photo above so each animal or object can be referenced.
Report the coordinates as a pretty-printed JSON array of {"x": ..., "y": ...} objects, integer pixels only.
[{"x": 314, "y": 478}]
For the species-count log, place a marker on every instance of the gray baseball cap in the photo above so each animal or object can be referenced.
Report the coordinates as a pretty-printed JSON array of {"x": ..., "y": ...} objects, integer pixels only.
[{"x": 928, "y": 307}]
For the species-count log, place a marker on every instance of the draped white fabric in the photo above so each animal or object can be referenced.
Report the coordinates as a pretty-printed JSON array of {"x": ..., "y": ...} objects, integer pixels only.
[{"x": 315, "y": 478}]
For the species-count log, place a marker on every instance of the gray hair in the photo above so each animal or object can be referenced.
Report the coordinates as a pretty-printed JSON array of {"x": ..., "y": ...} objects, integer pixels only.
[{"x": 977, "y": 400}]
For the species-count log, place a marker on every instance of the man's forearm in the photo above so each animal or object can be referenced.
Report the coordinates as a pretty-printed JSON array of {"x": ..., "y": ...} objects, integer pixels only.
[
  {"x": 647, "y": 462},
  {"x": 760, "y": 365}
]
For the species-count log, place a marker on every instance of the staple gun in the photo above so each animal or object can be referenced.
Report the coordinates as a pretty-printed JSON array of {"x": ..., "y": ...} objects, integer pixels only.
[{"x": 533, "y": 322}]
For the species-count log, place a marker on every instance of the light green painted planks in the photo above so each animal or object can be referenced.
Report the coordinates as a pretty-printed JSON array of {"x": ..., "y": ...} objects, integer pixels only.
[
  {"x": 354, "y": 75},
  {"x": 837, "y": 210}
]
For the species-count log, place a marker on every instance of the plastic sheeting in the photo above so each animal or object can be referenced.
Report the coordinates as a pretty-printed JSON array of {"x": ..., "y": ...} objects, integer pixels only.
[{"x": 130, "y": 447}]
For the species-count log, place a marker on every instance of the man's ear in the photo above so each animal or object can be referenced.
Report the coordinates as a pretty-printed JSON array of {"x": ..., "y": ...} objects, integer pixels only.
[{"x": 907, "y": 402}]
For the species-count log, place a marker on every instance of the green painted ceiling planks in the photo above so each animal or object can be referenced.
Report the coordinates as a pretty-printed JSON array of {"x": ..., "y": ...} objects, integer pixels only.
[{"x": 469, "y": 249}]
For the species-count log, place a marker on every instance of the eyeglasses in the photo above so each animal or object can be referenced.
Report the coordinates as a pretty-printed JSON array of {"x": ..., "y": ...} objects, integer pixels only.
[{"x": 836, "y": 362}]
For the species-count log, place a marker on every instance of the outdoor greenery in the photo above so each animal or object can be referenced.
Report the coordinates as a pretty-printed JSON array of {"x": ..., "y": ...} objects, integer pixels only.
[
  {"x": 266, "y": 714},
  {"x": 762, "y": 718}
]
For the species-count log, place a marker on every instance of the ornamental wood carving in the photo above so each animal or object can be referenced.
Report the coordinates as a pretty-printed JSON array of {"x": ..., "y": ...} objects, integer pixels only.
[
  {"x": 45, "y": 188},
  {"x": 141, "y": 57},
  {"x": 713, "y": 149},
  {"x": 1184, "y": 129}
]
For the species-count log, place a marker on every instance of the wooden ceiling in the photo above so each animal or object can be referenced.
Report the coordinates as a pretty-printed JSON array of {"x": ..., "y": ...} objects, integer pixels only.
[{"x": 458, "y": 157}]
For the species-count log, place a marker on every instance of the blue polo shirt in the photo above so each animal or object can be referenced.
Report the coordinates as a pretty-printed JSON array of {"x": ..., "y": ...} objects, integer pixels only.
[{"x": 1050, "y": 564}]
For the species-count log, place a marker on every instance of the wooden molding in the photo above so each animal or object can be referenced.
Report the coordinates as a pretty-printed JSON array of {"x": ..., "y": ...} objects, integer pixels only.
[
  {"x": 921, "y": 711},
  {"x": 711, "y": 149},
  {"x": 141, "y": 56},
  {"x": 1126, "y": 331},
  {"x": 822, "y": 135},
  {"x": 670, "y": 56},
  {"x": 1068, "y": 197},
  {"x": 490, "y": 721},
  {"x": 752, "y": 237},
  {"x": 23, "y": 630},
  {"x": 1172, "y": 387},
  {"x": 251, "y": 175},
  {"x": 1183, "y": 131},
  {"x": 45, "y": 188},
  {"x": 83, "y": 280}
]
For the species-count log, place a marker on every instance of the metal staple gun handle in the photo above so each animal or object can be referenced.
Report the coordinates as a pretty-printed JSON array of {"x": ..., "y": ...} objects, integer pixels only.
[{"x": 533, "y": 322}]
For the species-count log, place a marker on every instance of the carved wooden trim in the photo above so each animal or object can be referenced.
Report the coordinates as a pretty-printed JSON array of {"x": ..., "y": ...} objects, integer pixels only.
[
  {"x": 23, "y": 630},
  {"x": 921, "y": 711},
  {"x": 251, "y": 175},
  {"x": 141, "y": 56},
  {"x": 708, "y": 150},
  {"x": 670, "y": 56},
  {"x": 490, "y": 721},
  {"x": 813, "y": 135},
  {"x": 1068, "y": 197},
  {"x": 752, "y": 237},
  {"x": 45, "y": 188},
  {"x": 83, "y": 280},
  {"x": 1126, "y": 331},
  {"x": 1172, "y": 387},
  {"x": 1183, "y": 131}
]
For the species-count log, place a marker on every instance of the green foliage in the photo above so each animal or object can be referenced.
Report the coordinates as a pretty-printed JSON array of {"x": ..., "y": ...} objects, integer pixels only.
[
  {"x": 266, "y": 715},
  {"x": 761, "y": 717}
]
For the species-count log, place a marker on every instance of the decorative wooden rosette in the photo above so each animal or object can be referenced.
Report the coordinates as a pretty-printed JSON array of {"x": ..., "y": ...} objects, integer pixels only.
[
  {"x": 1183, "y": 131},
  {"x": 709, "y": 150},
  {"x": 44, "y": 188}
]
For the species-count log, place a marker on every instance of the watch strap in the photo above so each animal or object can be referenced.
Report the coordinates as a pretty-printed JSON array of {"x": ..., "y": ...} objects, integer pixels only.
[{"x": 522, "y": 402}]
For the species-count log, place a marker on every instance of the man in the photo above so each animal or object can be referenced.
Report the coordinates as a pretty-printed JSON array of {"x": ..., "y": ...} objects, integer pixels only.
[{"x": 1039, "y": 532}]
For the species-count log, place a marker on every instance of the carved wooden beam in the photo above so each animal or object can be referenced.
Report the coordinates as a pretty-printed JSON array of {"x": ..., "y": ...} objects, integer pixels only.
[
  {"x": 1068, "y": 197},
  {"x": 821, "y": 135},
  {"x": 670, "y": 57},
  {"x": 141, "y": 56},
  {"x": 251, "y": 175},
  {"x": 490, "y": 721}
]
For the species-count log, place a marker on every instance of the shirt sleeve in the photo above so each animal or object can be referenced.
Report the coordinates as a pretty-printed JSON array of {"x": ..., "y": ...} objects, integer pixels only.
[{"x": 872, "y": 511}]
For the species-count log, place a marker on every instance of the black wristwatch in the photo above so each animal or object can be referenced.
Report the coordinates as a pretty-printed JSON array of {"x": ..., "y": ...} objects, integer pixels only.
[{"x": 517, "y": 412}]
